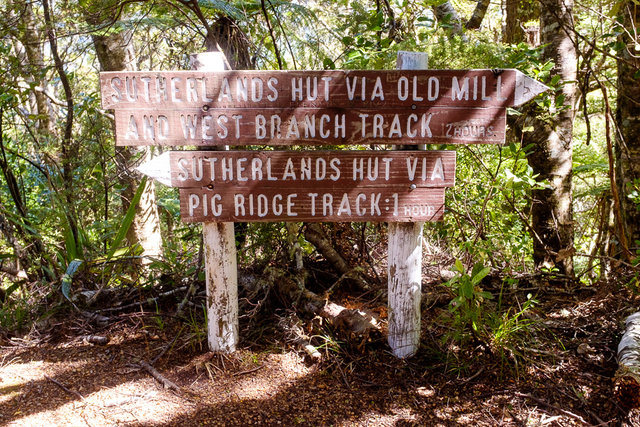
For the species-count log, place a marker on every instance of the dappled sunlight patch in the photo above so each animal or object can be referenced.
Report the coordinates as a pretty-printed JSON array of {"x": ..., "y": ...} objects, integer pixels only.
[
  {"x": 248, "y": 375},
  {"x": 279, "y": 371},
  {"x": 14, "y": 376},
  {"x": 20, "y": 381},
  {"x": 139, "y": 401},
  {"x": 396, "y": 415}
]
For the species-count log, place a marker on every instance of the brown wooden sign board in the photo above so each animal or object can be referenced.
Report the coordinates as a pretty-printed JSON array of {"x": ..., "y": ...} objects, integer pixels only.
[
  {"x": 303, "y": 170},
  {"x": 310, "y": 126},
  {"x": 307, "y": 185},
  {"x": 388, "y": 204},
  {"x": 163, "y": 90}
]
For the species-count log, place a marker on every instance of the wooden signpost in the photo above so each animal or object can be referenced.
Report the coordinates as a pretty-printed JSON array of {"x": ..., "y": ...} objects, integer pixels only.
[
  {"x": 313, "y": 107},
  {"x": 210, "y": 107},
  {"x": 307, "y": 186}
]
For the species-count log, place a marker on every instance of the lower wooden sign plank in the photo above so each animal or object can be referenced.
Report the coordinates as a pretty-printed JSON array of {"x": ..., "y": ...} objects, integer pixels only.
[
  {"x": 311, "y": 126},
  {"x": 306, "y": 170},
  {"x": 388, "y": 204}
]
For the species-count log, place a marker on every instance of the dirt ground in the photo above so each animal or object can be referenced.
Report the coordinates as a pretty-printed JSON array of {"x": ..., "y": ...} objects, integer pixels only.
[{"x": 562, "y": 377}]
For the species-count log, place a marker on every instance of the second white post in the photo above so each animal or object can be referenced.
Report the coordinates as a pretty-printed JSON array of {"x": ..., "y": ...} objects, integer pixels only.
[{"x": 405, "y": 263}]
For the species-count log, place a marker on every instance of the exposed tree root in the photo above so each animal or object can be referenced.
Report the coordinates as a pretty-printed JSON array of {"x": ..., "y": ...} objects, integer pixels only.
[{"x": 345, "y": 320}]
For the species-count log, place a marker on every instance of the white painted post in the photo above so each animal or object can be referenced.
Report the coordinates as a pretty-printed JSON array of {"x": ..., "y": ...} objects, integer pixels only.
[
  {"x": 405, "y": 262},
  {"x": 220, "y": 257}
]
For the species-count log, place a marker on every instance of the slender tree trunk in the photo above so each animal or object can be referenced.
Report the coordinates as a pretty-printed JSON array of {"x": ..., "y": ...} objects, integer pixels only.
[
  {"x": 30, "y": 36},
  {"x": 512, "y": 32},
  {"x": 69, "y": 147},
  {"x": 225, "y": 36},
  {"x": 446, "y": 13},
  {"x": 552, "y": 209},
  {"x": 478, "y": 15},
  {"x": 628, "y": 121},
  {"x": 115, "y": 53}
]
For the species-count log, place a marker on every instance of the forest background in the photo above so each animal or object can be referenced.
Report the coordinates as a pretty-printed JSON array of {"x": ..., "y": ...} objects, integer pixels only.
[{"x": 556, "y": 207}]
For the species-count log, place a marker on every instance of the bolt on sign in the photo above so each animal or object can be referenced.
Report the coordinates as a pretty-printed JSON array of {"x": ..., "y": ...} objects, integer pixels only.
[
  {"x": 230, "y": 186},
  {"x": 313, "y": 107}
]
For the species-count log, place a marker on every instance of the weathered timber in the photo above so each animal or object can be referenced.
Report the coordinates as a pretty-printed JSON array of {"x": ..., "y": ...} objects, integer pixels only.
[
  {"x": 384, "y": 203},
  {"x": 348, "y": 322},
  {"x": 221, "y": 269},
  {"x": 306, "y": 170},
  {"x": 317, "y": 89},
  {"x": 627, "y": 378},
  {"x": 404, "y": 264},
  {"x": 311, "y": 126}
]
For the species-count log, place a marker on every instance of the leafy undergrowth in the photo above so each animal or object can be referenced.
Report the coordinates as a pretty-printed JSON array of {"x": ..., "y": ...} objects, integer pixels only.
[{"x": 551, "y": 364}]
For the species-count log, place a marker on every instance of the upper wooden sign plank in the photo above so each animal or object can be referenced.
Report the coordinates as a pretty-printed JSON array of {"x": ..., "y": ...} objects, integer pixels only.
[
  {"x": 311, "y": 126},
  {"x": 176, "y": 90}
]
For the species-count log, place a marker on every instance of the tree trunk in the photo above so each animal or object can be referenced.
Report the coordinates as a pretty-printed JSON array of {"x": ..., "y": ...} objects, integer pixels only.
[
  {"x": 552, "y": 209},
  {"x": 478, "y": 15},
  {"x": 628, "y": 120},
  {"x": 315, "y": 235},
  {"x": 225, "y": 36},
  {"x": 115, "y": 53},
  {"x": 347, "y": 322},
  {"x": 512, "y": 31},
  {"x": 30, "y": 36},
  {"x": 446, "y": 14}
]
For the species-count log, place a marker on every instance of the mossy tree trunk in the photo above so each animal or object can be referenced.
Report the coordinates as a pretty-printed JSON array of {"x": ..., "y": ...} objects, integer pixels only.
[
  {"x": 552, "y": 157},
  {"x": 115, "y": 53},
  {"x": 628, "y": 121}
]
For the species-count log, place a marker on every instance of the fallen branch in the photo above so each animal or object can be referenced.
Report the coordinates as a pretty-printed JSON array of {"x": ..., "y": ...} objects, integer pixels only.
[
  {"x": 345, "y": 320},
  {"x": 96, "y": 339},
  {"x": 75, "y": 393},
  {"x": 317, "y": 237},
  {"x": 291, "y": 326},
  {"x": 142, "y": 365},
  {"x": 554, "y": 407},
  {"x": 148, "y": 301},
  {"x": 237, "y": 374}
]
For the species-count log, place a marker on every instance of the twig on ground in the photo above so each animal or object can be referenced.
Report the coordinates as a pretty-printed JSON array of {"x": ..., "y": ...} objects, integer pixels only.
[
  {"x": 237, "y": 374},
  {"x": 165, "y": 348},
  {"x": 472, "y": 377},
  {"x": 142, "y": 365},
  {"x": 344, "y": 377},
  {"x": 56, "y": 382},
  {"x": 148, "y": 301},
  {"x": 549, "y": 405}
]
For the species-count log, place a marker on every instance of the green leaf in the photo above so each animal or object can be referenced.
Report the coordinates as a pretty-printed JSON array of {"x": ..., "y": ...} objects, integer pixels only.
[
  {"x": 466, "y": 289},
  {"x": 224, "y": 7},
  {"x": 477, "y": 278},
  {"x": 128, "y": 219},
  {"x": 70, "y": 243},
  {"x": 11, "y": 289},
  {"x": 485, "y": 295},
  {"x": 67, "y": 279},
  {"x": 459, "y": 267}
]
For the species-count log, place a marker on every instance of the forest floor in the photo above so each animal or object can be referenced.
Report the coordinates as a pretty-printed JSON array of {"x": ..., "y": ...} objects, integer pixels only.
[{"x": 561, "y": 373}]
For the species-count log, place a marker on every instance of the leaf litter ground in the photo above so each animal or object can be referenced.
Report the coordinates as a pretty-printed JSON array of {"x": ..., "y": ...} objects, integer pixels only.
[{"x": 563, "y": 376}]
